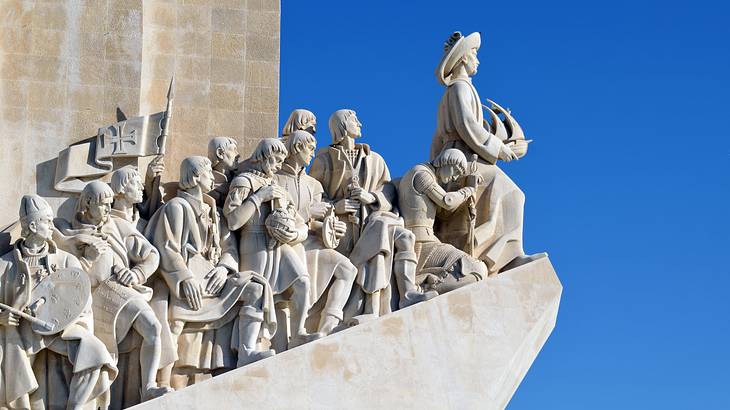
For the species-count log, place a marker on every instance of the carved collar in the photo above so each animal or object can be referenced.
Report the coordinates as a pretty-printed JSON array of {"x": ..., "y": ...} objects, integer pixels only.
[{"x": 289, "y": 170}]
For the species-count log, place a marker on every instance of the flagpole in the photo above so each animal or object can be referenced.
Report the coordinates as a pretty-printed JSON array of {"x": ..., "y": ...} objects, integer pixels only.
[{"x": 155, "y": 193}]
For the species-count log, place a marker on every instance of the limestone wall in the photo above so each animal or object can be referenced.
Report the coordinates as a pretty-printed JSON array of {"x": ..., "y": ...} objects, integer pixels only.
[{"x": 65, "y": 67}]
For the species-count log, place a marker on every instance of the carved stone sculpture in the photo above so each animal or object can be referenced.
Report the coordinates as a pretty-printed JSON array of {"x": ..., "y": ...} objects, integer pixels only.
[
  {"x": 299, "y": 120},
  {"x": 208, "y": 303},
  {"x": 66, "y": 367},
  {"x": 331, "y": 273},
  {"x": 268, "y": 248},
  {"x": 356, "y": 181},
  {"x": 223, "y": 154},
  {"x": 421, "y": 193},
  {"x": 119, "y": 262},
  {"x": 497, "y": 236},
  {"x": 134, "y": 201}
]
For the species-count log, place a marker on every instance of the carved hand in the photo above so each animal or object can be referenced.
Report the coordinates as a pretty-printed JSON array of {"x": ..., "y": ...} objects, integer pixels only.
[
  {"x": 519, "y": 148},
  {"x": 216, "y": 280},
  {"x": 9, "y": 319},
  {"x": 284, "y": 235},
  {"x": 340, "y": 229},
  {"x": 96, "y": 248},
  {"x": 506, "y": 154},
  {"x": 193, "y": 293},
  {"x": 318, "y": 210},
  {"x": 347, "y": 206},
  {"x": 270, "y": 192},
  {"x": 125, "y": 276},
  {"x": 156, "y": 167},
  {"x": 365, "y": 197}
]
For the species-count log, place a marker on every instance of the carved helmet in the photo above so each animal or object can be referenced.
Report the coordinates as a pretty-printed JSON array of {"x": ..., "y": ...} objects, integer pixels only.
[{"x": 454, "y": 49}]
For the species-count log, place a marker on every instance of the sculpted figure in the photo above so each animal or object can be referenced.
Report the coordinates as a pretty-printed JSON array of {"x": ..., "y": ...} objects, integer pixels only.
[
  {"x": 299, "y": 120},
  {"x": 223, "y": 155},
  {"x": 260, "y": 209},
  {"x": 67, "y": 368},
  {"x": 213, "y": 310},
  {"x": 421, "y": 194},
  {"x": 119, "y": 263},
  {"x": 357, "y": 181},
  {"x": 133, "y": 200},
  {"x": 331, "y": 273},
  {"x": 497, "y": 236}
]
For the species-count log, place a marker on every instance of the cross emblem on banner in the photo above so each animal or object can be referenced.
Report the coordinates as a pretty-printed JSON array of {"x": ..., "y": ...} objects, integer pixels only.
[{"x": 118, "y": 139}]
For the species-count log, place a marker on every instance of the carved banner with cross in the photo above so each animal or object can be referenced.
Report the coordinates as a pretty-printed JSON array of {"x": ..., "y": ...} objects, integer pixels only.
[{"x": 93, "y": 157}]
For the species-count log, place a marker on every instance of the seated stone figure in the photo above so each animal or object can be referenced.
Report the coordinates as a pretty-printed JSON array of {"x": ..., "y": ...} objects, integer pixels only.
[
  {"x": 67, "y": 369},
  {"x": 356, "y": 181},
  {"x": 497, "y": 238},
  {"x": 253, "y": 198},
  {"x": 223, "y": 155},
  {"x": 421, "y": 193},
  {"x": 212, "y": 309},
  {"x": 331, "y": 273},
  {"x": 119, "y": 263}
]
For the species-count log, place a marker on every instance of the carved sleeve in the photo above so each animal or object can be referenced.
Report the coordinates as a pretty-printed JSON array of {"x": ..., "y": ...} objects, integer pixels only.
[
  {"x": 229, "y": 247},
  {"x": 240, "y": 203},
  {"x": 320, "y": 170},
  {"x": 424, "y": 183},
  {"x": 461, "y": 107},
  {"x": 168, "y": 238},
  {"x": 385, "y": 192},
  {"x": 144, "y": 257}
]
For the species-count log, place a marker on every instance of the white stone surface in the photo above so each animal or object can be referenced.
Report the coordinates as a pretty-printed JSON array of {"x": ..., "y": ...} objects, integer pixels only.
[{"x": 469, "y": 348}]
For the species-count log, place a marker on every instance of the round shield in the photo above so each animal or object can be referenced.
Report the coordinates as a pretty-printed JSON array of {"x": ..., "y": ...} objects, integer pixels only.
[
  {"x": 329, "y": 237},
  {"x": 60, "y": 299}
]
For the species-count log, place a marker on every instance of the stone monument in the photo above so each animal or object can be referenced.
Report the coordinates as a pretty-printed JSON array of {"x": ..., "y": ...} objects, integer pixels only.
[{"x": 181, "y": 290}]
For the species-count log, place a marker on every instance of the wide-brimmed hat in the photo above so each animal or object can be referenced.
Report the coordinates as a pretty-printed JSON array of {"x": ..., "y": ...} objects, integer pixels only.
[{"x": 454, "y": 49}]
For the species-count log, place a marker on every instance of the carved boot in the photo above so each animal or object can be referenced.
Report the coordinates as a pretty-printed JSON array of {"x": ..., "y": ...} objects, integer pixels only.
[
  {"x": 249, "y": 326},
  {"x": 328, "y": 323},
  {"x": 404, "y": 269}
]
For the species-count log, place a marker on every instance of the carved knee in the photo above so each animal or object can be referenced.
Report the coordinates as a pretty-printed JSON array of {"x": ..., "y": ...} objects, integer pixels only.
[
  {"x": 405, "y": 240},
  {"x": 253, "y": 292},
  {"x": 346, "y": 272}
]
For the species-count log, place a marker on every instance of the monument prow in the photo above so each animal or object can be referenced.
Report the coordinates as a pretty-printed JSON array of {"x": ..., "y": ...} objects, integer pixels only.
[{"x": 469, "y": 348}]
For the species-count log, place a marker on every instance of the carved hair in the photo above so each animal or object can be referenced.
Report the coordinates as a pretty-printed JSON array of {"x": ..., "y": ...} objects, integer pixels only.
[
  {"x": 338, "y": 124},
  {"x": 122, "y": 177},
  {"x": 298, "y": 137},
  {"x": 95, "y": 192},
  {"x": 298, "y": 120},
  {"x": 190, "y": 169},
  {"x": 219, "y": 142},
  {"x": 451, "y": 156},
  {"x": 266, "y": 148}
]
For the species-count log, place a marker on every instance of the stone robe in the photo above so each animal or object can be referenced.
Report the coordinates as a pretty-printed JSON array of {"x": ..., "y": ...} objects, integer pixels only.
[
  {"x": 116, "y": 307},
  {"x": 281, "y": 264},
  {"x": 372, "y": 232},
  {"x": 23, "y": 353},
  {"x": 500, "y": 203},
  {"x": 183, "y": 229},
  {"x": 322, "y": 262}
]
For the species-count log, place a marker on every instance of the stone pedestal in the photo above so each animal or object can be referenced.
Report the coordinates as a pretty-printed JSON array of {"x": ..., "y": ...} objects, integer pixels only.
[
  {"x": 467, "y": 349},
  {"x": 65, "y": 67}
]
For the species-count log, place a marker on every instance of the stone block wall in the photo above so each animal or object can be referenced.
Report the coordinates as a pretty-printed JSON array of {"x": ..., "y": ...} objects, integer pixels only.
[{"x": 65, "y": 67}]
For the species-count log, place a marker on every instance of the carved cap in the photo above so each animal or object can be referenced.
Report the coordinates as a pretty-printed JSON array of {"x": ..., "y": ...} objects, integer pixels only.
[
  {"x": 33, "y": 206},
  {"x": 454, "y": 49}
]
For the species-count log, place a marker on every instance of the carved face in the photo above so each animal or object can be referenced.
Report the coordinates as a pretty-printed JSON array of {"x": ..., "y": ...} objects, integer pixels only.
[
  {"x": 306, "y": 154},
  {"x": 98, "y": 213},
  {"x": 311, "y": 127},
  {"x": 42, "y": 227},
  {"x": 229, "y": 157},
  {"x": 272, "y": 164},
  {"x": 134, "y": 189},
  {"x": 471, "y": 62},
  {"x": 206, "y": 180},
  {"x": 353, "y": 127},
  {"x": 448, "y": 173}
]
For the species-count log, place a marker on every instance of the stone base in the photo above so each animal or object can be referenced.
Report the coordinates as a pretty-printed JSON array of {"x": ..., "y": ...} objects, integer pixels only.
[{"x": 467, "y": 349}]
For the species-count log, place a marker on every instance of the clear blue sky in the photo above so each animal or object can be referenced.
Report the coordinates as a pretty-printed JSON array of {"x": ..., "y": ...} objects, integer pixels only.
[{"x": 627, "y": 182}]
